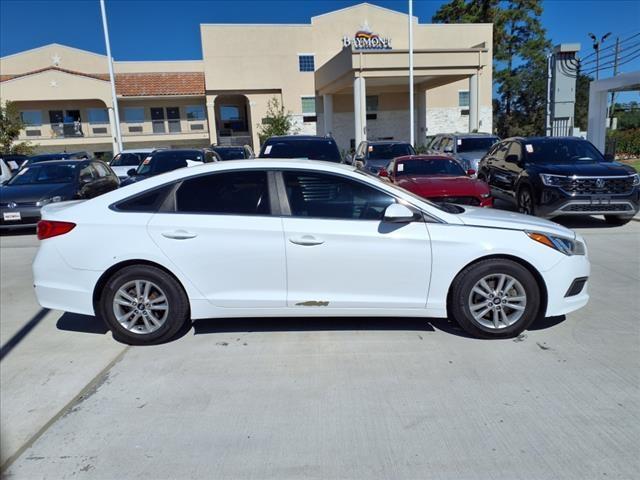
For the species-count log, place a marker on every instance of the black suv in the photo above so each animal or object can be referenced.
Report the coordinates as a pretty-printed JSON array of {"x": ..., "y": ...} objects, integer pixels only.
[
  {"x": 308, "y": 147},
  {"x": 553, "y": 176}
]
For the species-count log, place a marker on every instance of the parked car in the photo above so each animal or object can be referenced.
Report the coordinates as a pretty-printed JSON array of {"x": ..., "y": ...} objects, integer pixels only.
[
  {"x": 372, "y": 156},
  {"x": 124, "y": 161},
  {"x": 273, "y": 238},
  {"x": 553, "y": 176},
  {"x": 163, "y": 161},
  {"x": 437, "y": 178},
  {"x": 308, "y": 147},
  {"x": 230, "y": 152},
  {"x": 40, "y": 184},
  {"x": 467, "y": 148},
  {"x": 9, "y": 164}
]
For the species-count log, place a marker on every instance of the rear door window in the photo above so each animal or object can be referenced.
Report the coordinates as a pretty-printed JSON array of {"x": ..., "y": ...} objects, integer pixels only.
[{"x": 230, "y": 193}]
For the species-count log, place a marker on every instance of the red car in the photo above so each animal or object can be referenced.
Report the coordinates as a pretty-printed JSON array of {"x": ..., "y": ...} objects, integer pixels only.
[{"x": 439, "y": 179}]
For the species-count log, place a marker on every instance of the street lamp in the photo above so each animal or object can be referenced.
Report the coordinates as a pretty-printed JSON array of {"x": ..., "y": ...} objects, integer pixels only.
[{"x": 596, "y": 47}]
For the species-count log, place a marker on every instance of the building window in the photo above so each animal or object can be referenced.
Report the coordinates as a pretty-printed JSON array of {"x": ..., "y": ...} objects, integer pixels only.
[
  {"x": 134, "y": 114},
  {"x": 173, "y": 118},
  {"x": 98, "y": 116},
  {"x": 372, "y": 103},
  {"x": 308, "y": 105},
  {"x": 31, "y": 117},
  {"x": 195, "y": 112},
  {"x": 463, "y": 98},
  {"x": 306, "y": 63},
  {"x": 229, "y": 113}
]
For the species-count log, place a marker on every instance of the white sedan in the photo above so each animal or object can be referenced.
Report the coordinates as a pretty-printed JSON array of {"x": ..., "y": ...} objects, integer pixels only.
[{"x": 273, "y": 238}]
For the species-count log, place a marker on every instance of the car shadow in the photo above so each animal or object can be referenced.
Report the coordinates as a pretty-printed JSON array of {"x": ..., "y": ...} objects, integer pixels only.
[
  {"x": 548, "y": 322},
  {"x": 73, "y": 322},
  {"x": 16, "y": 232}
]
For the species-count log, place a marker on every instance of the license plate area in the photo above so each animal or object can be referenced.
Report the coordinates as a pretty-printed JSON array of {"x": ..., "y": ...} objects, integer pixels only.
[
  {"x": 601, "y": 200},
  {"x": 11, "y": 216}
]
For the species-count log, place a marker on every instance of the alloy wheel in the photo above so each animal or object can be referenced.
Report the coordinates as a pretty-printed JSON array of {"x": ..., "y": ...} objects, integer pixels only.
[
  {"x": 140, "y": 306},
  {"x": 525, "y": 202},
  {"x": 497, "y": 301}
]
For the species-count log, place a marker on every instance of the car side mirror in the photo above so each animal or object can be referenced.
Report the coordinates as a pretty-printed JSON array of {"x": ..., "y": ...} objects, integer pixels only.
[
  {"x": 131, "y": 172},
  {"x": 383, "y": 173},
  {"x": 609, "y": 157},
  {"x": 471, "y": 172},
  {"x": 399, "y": 213},
  {"x": 512, "y": 159}
]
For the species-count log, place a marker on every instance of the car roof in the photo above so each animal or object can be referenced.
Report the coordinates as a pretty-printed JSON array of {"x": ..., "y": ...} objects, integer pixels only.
[
  {"x": 299, "y": 137},
  {"x": 215, "y": 147},
  {"x": 424, "y": 157},
  {"x": 529, "y": 139},
  {"x": 64, "y": 161},
  {"x": 139, "y": 150},
  {"x": 386, "y": 142}
]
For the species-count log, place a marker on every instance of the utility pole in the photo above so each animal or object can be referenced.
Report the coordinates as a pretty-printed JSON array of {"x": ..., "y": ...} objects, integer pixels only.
[
  {"x": 411, "y": 120},
  {"x": 596, "y": 47},
  {"x": 615, "y": 72},
  {"x": 114, "y": 99}
]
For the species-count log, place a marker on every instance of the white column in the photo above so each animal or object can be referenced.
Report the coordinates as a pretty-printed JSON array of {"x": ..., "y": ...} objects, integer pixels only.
[
  {"x": 597, "y": 128},
  {"x": 360, "y": 109},
  {"x": 211, "y": 118},
  {"x": 327, "y": 104},
  {"x": 113, "y": 131},
  {"x": 421, "y": 97},
  {"x": 474, "y": 124}
]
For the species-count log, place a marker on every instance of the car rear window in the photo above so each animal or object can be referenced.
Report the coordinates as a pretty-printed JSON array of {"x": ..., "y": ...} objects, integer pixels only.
[
  {"x": 230, "y": 153},
  {"x": 128, "y": 159},
  {"x": 145, "y": 202},
  {"x": 387, "y": 151},
  {"x": 474, "y": 144},
  {"x": 321, "y": 149}
]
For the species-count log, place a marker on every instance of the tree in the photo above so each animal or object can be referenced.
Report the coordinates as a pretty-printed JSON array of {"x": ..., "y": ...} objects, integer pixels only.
[
  {"x": 581, "y": 114},
  {"x": 277, "y": 122},
  {"x": 520, "y": 47},
  {"x": 10, "y": 126}
]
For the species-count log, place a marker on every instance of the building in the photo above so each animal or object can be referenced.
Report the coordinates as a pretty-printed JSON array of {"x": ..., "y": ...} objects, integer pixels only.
[{"x": 346, "y": 73}]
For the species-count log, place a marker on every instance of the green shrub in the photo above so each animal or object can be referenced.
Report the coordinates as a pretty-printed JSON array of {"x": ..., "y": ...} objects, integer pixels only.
[{"x": 627, "y": 142}]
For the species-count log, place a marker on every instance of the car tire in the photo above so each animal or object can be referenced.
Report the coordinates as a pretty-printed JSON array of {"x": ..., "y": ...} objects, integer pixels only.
[
  {"x": 516, "y": 307},
  {"x": 617, "y": 220},
  {"x": 143, "y": 305},
  {"x": 526, "y": 202}
]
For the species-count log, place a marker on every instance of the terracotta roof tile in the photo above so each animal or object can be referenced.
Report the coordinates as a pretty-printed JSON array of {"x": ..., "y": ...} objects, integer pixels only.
[
  {"x": 153, "y": 84},
  {"x": 140, "y": 84}
]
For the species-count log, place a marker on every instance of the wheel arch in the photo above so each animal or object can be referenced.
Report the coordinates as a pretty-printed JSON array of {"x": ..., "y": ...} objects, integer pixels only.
[
  {"x": 533, "y": 270},
  {"x": 104, "y": 278}
]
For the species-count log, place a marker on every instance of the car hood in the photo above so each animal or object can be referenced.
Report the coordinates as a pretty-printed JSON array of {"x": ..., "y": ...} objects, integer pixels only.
[
  {"x": 595, "y": 169},
  {"x": 33, "y": 193},
  {"x": 439, "y": 186},
  {"x": 492, "y": 218}
]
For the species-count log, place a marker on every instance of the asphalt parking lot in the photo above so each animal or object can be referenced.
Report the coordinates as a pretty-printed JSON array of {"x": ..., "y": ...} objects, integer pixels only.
[{"x": 327, "y": 398}]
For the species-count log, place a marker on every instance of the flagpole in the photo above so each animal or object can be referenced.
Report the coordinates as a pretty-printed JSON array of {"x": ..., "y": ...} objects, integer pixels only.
[
  {"x": 114, "y": 98},
  {"x": 411, "y": 119}
]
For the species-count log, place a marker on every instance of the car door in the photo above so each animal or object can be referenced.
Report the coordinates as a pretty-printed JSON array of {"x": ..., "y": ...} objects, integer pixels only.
[
  {"x": 513, "y": 166},
  {"x": 341, "y": 254},
  {"x": 498, "y": 172},
  {"x": 219, "y": 231},
  {"x": 87, "y": 181}
]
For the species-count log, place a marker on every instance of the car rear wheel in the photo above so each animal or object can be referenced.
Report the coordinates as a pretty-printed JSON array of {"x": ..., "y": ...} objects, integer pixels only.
[
  {"x": 525, "y": 201},
  {"x": 617, "y": 220},
  {"x": 143, "y": 305},
  {"x": 495, "y": 298}
]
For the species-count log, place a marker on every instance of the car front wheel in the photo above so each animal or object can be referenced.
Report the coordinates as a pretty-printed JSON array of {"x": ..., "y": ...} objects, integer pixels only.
[
  {"x": 525, "y": 201},
  {"x": 143, "y": 305},
  {"x": 495, "y": 298}
]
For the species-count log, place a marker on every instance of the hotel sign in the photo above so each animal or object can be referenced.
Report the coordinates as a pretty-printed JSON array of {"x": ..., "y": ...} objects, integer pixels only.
[{"x": 365, "y": 39}]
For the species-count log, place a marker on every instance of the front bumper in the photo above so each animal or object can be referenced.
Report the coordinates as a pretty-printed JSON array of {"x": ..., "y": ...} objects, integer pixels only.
[
  {"x": 29, "y": 217},
  {"x": 554, "y": 202},
  {"x": 561, "y": 279}
]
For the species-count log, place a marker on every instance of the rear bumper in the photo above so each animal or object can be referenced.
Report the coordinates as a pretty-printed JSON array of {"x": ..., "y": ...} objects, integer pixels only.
[
  {"x": 29, "y": 217},
  {"x": 560, "y": 279}
]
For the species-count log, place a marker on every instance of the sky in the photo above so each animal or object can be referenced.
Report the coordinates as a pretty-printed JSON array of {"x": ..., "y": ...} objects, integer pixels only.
[{"x": 169, "y": 29}]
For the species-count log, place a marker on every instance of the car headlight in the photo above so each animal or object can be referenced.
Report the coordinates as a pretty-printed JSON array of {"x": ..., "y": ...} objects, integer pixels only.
[
  {"x": 636, "y": 179},
  {"x": 551, "y": 180},
  {"x": 45, "y": 201},
  {"x": 562, "y": 244}
]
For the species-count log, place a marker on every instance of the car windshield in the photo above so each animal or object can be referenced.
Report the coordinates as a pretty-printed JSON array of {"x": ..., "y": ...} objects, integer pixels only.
[
  {"x": 321, "y": 149},
  {"x": 128, "y": 159},
  {"x": 168, "y": 160},
  {"x": 44, "y": 173},
  {"x": 230, "y": 153},
  {"x": 429, "y": 167},
  {"x": 387, "y": 151},
  {"x": 473, "y": 144},
  {"x": 552, "y": 150}
]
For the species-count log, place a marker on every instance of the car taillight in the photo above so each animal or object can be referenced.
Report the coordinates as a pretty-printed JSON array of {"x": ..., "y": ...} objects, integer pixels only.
[{"x": 50, "y": 228}]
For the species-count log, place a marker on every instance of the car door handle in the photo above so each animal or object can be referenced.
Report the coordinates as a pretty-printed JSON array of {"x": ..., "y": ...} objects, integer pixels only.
[
  {"x": 179, "y": 235},
  {"x": 306, "y": 240}
]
